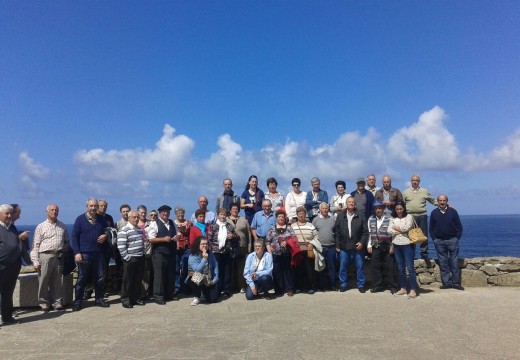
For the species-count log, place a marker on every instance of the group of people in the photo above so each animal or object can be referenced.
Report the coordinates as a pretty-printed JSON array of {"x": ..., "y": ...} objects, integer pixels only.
[{"x": 301, "y": 242}]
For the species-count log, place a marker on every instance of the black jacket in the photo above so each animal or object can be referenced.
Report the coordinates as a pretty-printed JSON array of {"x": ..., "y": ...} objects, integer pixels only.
[{"x": 359, "y": 231}]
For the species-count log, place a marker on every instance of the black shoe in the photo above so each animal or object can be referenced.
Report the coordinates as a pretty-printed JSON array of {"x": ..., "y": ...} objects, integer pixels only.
[
  {"x": 76, "y": 307},
  {"x": 311, "y": 292},
  {"x": 343, "y": 289},
  {"x": 175, "y": 297},
  {"x": 442, "y": 287},
  {"x": 102, "y": 303},
  {"x": 10, "y": 321},
  {"x": 139, "y": 302},
  {"x": 160, "y": 302},
  {"x": 127, "y": 306},
  {"x": 225, "y": 295},
  {"x": 458, "y": 287},
  {"x": 267, "y": 296},
  {"x": 362, "y": 290},
  {"x": 376, "y": 290},
  {"x": 87, "y": 295}
]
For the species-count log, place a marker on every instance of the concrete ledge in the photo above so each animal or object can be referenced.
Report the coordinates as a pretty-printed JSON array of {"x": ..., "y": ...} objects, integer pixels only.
[{"x": 26, "y": 290}]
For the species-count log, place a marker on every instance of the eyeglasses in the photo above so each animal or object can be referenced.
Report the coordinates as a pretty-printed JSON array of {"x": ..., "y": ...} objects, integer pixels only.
[
  {"x": 295, "y": 184},
  {"x": 153, "y": 215}
]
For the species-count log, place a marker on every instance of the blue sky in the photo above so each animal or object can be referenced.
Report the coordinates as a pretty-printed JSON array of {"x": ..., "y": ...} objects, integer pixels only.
[{"x": 156, "y": 102}]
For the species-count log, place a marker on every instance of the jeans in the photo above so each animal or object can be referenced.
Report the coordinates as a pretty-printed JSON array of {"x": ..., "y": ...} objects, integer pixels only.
[
  {"x": 211, "y": 293},
  {"x": 93, "y": 265},
  {"x": 404, "y": 256},
  {"x": 448, "y": 255},
  {"x": 330, "y": 255},
  {"x": 263, "y": 285},
  {"x": 181, "y": 270},
  {"x": 345, "y": 256}
]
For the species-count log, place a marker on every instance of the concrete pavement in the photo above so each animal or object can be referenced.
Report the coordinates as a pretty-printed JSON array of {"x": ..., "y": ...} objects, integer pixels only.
[{"x": 479, "y": 323}]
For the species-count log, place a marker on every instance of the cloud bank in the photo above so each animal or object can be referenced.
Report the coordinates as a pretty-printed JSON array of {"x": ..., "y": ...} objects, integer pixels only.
[{"x": 170, "y": 167}]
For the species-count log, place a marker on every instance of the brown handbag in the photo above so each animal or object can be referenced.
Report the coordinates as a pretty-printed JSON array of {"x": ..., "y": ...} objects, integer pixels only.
[{"x": 416, "y": 235}]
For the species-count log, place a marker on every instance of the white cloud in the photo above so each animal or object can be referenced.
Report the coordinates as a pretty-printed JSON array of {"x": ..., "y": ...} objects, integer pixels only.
[
  {"x": 169, "y": 170},
  {"x": 31, "y": 168},
  {"x": 426, "y": 144},
  {"x": 31, "y": 173},
  {"x": 507, "y": 155}
]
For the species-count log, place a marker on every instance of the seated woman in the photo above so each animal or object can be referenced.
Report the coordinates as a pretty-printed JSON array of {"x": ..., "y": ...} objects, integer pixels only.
[
  {"x": 258, "y": 272},
  {"x": 204, "y": 262}
]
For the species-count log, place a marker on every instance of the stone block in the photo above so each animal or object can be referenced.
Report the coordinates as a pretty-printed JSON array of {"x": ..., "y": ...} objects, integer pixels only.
[
  {"x": 474, "y": 266},
  {"x": 488, "y": 269},
  {"x": 26, "y": 290},
  {"x": 511, "y": 279},
  {"x": 437, "y": 274},
  {"x": 473, "y": 278},
  {"x": 425, "y": 278},
  {"x": 508, "y": 267}
]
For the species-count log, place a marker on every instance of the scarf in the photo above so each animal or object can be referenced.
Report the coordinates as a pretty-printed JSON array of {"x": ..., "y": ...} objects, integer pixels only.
[
  {"x": 222, "y": 234},
  {"x": 202, "y": 227}
]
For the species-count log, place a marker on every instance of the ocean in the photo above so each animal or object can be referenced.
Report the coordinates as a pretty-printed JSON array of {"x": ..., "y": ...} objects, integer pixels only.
[{"x": 483, "y": 236}]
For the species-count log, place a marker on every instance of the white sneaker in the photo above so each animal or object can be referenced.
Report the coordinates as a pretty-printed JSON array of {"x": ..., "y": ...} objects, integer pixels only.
[{"x": 195, "y": 301}]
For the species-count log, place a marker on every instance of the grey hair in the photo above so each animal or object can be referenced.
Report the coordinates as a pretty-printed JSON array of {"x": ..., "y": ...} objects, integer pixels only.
[
  {"x": 259, "y": 241},
  {"x": 5, "y": 207},
  {"x": 47, "y": 208},
  {"x": 315, "y": 179},
  {"x": 179, "y": 208},
  {"x": 142, "y": 207},
  {"x": 91, "y": 199}
]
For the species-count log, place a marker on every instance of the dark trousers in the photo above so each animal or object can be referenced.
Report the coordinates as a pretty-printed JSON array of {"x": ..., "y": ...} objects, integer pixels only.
[
  {"x": 147, "y": 277},
  {"x": 263, "y": 285},
  {"x": 305, "y": 275},
  {"x": 448, "y": 255},
  {"x": 330, "y": 254},
  {"x": 225, "y": 282},
  {"x": 383, "y": 268},
  {"x": 8, "y": 276},
  {"x": 132, "y": 275},
  {"x": 164, "y": 275},
  {"x": 93, "y": 265},
  {"x": 211, "y": 293},
  {"x": 282, "y": 273},
  {"x": 238, "y": 264},
  {"x": 422, "y": 222}
]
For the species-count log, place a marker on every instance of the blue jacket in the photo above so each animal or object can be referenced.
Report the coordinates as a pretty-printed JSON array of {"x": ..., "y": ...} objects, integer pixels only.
[
  {"x": 198, "y": 263},
  {"x": 313, "y": 207},
  {"x": 267, "y": 270}
]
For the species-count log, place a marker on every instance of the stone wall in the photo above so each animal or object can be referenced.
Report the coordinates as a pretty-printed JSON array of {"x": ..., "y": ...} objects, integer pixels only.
[{"x": 476, "y": 272}]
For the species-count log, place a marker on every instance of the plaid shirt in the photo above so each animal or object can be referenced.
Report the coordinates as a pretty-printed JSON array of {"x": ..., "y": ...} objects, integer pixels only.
[{"x": 48, "y": 236}]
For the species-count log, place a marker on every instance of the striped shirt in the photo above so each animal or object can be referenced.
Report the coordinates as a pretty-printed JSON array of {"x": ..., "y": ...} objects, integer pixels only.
[
  {"x": 305, "y": 233},
  {"x": 130, "y": 241},
  {"x": 48, "y": 236}
]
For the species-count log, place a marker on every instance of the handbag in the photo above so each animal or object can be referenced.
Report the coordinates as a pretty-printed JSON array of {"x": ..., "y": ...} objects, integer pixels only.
[
  {"x": 199, "y": 278},
  {"x": 310, "y": 252},
  {"x": 416, "y": 235}
]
